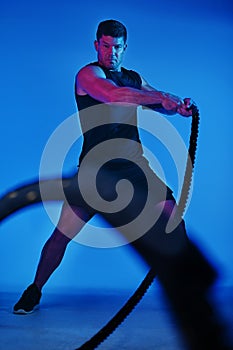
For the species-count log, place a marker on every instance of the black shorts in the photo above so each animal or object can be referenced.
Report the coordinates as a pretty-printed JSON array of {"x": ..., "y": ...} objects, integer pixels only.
[
  {"x": 119, "y": 190},
  {"x": 126, "y": 196}
]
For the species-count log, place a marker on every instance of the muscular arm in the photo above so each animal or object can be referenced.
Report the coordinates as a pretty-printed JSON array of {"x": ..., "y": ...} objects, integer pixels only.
[
  {"x": 91, "y": 80},
  {"x": 159, "y": 107}
]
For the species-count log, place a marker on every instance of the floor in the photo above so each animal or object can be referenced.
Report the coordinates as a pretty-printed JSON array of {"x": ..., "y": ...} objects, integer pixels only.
[{"x": 65, "y": 321}]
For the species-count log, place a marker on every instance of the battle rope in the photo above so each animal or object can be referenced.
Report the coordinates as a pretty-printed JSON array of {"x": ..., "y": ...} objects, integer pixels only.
[
  {"x": 190, "y": 160},
  {"x": 132, "y": 302},
  {"x": 120, "y": 316},
  {"x": 31, "y": 194}
]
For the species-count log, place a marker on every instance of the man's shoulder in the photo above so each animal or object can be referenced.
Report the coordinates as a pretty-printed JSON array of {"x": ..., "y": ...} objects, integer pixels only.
[
  {"x": 90, "y": 68},
  {"x": 88, "y": 65},
  {"x": 92, "y": 64}
]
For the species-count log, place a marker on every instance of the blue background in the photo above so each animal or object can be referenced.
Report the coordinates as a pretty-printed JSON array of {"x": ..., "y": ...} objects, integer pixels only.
[{"x": 184, "y": 47}]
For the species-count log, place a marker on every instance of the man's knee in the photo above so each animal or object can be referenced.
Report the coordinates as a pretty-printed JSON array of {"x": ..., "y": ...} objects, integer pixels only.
[{"x": 72, "y": 220}]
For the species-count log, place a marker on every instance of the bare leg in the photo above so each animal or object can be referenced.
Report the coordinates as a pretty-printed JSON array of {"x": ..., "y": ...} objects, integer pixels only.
[{"x": 70, "y": 223}]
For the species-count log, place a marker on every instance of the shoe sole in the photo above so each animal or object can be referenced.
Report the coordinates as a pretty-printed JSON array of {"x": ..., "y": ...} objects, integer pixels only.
[{"x": 24, "y": 312}]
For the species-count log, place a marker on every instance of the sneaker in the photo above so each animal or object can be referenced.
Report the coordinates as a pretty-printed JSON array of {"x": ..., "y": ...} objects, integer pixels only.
[{"x": 29, "y": 301}]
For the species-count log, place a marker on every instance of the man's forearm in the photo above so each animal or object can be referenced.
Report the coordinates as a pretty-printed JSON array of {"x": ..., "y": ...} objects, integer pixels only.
[
  {"x": 157, "y": 100},
  {"x": 135, "y": 96},
  {"x": 157, "y": 107}
]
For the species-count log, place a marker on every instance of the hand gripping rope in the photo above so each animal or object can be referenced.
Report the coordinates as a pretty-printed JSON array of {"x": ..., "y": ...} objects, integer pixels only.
[{"x": 31, "y": 193}]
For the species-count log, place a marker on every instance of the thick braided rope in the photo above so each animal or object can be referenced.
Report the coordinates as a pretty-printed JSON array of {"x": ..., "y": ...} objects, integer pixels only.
[
  {"x": 30, "y": 194},
  {"x": 128, "y": 307}
]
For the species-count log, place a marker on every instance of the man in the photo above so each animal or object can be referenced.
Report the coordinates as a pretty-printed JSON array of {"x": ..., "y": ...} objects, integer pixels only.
[{"x": 107, "y": 97}]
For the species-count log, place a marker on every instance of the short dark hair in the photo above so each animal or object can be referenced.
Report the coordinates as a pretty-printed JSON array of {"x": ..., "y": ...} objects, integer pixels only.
[{"x": 112, "y": 28}]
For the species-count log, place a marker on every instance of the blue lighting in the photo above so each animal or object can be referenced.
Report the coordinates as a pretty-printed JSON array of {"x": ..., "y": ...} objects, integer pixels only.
[{"x": 181, "y": 47}]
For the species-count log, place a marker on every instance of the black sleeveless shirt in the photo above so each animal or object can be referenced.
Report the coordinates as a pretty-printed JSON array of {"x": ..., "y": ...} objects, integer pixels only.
[{"x": 110, "y": 130}]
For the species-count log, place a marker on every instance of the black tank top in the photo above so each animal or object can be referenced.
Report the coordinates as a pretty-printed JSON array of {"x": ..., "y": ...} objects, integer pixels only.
[{"x": 102, "y": 122}]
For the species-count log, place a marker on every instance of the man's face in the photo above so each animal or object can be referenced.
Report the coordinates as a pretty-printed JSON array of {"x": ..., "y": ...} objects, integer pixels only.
[{"x": 110, "y": 51}]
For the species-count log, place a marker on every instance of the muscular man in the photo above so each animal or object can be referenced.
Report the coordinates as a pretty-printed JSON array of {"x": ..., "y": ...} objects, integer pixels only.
[{"x": 107, "y": 96}]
